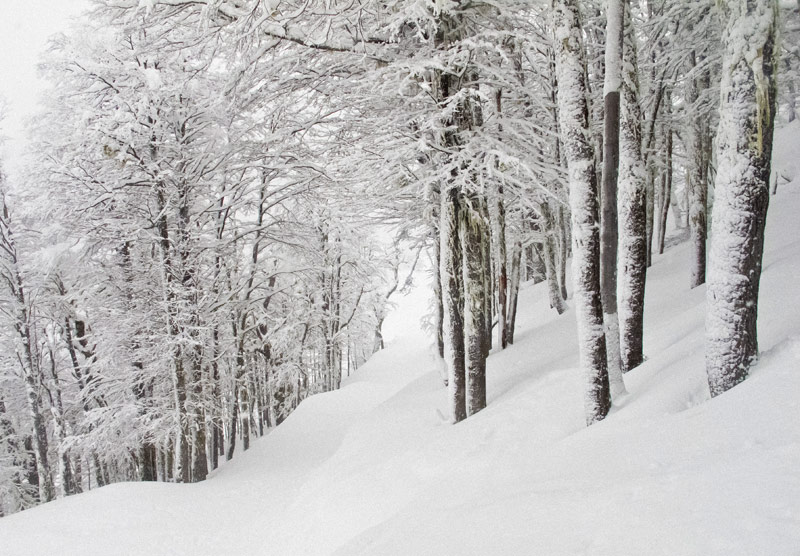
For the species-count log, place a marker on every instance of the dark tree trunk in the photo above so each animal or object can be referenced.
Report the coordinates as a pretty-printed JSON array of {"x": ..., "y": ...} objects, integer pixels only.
[
  {"x": 666, "y": 195},
  {"x": 513, "y": 295},
  {"x": 453, "y": 298},
  {"x": 472, "y": 235}
]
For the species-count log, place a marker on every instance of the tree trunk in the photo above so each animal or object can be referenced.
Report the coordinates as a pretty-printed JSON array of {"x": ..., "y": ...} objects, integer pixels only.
[
  {"x": 549, "y": 244},
  {"x": 609, "y": 233},
  {"x": 513, "y": 290},
  {"x": 452, "y": 297},
  {"x": 472, "y": 236},
  {"x": 632, "y": 209},
  {"x": 438, "y": 289},
  {"x": 67, "y": 486},
  {"x": 698, "y": 183},
  {"x": 583, "y": 195},
  {"x": 563, "y": 250},
  {"x": 747, "y": 115},
  {"x": 666, "y": 195}
]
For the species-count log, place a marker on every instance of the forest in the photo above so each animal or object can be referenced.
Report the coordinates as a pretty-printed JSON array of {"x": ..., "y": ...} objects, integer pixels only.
[{"x": 223, "y": 200}]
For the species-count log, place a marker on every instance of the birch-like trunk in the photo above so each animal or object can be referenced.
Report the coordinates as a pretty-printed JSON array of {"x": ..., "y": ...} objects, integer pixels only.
[
  {"x": 583, "y": 195},
  {"x": 747, "y": 115},
  {"x": 609, "y": 233},
  {"x": 632, "y": 264}
]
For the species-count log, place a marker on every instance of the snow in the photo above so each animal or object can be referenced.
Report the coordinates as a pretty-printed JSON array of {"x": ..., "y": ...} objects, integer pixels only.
[{"x": 374, "y": 469}]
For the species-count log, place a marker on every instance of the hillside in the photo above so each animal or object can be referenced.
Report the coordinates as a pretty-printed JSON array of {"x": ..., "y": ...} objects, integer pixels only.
[{"x": 373, "y": 469}]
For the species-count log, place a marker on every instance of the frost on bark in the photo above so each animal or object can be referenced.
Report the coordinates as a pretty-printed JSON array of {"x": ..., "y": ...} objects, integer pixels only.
[
  {"x": 472, "y": 235},
  {"x": 632, "y": 209},
  {"x": 699, "y": 152},
  {"x": 609, "y": 234},
  {"x": 747, "y": 113},
  {"x": 452, "y": 298},
  {"x": 465, "y": 242},
  {"x": 502, "y": 272},
  {"x": 437, "y": 278},
  {"x": 583, "y": 195},
  {"x": 549, "y": 245}
]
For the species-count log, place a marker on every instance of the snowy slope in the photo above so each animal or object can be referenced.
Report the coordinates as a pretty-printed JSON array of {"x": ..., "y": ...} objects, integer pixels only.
[{"x": 374, "y": 470}]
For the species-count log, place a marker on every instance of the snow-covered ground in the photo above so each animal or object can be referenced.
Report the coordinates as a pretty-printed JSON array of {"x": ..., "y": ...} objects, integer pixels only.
[{"x": 373, "y": 469}]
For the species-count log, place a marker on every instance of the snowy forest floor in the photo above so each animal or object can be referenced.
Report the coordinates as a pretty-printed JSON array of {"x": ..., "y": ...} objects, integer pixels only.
[{"x": 373, "y": 469}]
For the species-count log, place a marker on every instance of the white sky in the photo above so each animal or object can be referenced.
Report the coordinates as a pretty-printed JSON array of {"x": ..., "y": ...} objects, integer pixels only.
[{"x": 25, "y": 26}]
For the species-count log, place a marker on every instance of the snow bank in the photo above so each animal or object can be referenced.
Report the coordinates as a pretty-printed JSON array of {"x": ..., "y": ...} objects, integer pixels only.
[{"x": 373, "y": 469}]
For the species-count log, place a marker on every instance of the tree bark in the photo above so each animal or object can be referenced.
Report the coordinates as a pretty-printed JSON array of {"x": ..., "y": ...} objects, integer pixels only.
[
  {"x": 666, "y": 195},
  {"x": 609, "y": 234},
  {"x": 632, "y": 265},
  {"x": 472, "y": 236},
  {"x": 453, "y": 296},
  {"x": 747, "y": 115},
  {"x": 583, "y": 194}
]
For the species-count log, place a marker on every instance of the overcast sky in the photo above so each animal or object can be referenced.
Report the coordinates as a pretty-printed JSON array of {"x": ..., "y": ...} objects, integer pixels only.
[{"x": 24, "y": 28}]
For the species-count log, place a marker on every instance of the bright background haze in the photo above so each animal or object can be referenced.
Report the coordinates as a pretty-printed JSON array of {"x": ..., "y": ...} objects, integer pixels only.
[{"x": 25, "y": 26}]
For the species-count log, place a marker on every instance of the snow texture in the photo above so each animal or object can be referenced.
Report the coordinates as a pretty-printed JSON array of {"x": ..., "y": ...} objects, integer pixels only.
[{"x": 373, "y": 469}]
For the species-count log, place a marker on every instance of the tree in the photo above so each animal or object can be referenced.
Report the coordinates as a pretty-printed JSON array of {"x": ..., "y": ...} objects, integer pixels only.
[
  {"x": 632, "y": 207},
  {"x": 609, "y": 234},
  {"x": 747, "y": 116},
  {"x": 583, "y": 195}
]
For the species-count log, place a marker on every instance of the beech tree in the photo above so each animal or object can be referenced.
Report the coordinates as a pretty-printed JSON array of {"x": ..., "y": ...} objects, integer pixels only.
[
  {"x": 584, "y": 205},
  {"x": 608, "y": 221},
  {"x": 747, "y": 117}
]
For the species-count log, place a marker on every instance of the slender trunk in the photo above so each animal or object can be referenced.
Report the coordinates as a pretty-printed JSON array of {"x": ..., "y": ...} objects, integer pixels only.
[
  {"x": 198, "y": 432},
  {"x": 649, "y": 213},
  {"x": 232, "y": 427},
  {"x": 453, "y": 296},
  {"x": 502, "y": 274},
  {"x": 502, "y": 258},
  {"x": 609, "y": 233},
  {"x": 632, "y": 263},
  {"x": 549, "y": 244},
  {"x": 472, "y": 236},
  {"x": 666, "y": 195},
  {"x": 67, "y": 486},
  {"x": 698, "y": 181},
  {"x": 437, "y": 276},
  {"x": 563, "y": 250},
  {"x": 513, "y": 290}
]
